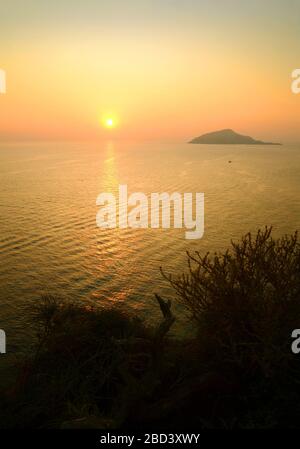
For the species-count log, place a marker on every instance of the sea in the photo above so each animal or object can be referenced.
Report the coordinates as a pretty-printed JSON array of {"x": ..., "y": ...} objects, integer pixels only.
[{"x": 50, "y": 242}]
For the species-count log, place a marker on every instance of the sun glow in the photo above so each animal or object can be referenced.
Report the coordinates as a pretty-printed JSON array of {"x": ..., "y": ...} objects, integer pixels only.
[{"x": 109, "y": 122}]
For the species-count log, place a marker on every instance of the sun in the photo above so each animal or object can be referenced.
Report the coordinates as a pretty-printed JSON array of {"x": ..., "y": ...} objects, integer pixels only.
[{"x": 109, "y": 122}]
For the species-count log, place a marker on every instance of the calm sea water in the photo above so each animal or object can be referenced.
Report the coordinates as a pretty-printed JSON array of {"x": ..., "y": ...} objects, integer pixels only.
[{"x": 49, "y": 240}]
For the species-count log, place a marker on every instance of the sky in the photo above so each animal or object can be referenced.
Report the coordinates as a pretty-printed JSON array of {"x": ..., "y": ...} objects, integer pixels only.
[{"x": 162, "y": 69}]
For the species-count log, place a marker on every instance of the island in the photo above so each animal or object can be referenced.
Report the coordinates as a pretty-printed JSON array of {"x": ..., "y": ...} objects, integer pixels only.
[{"x": 228, "y": 136}]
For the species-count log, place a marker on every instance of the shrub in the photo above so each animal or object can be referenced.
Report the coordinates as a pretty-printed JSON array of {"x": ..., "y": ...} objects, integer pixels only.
[
  {"x": 246, "y": 302},
  {"x": 74, "y": 370},
  {"x": 106, "y": 366}
]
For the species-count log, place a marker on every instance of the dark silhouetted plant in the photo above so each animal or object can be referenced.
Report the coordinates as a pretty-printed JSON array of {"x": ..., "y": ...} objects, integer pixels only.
[
  {"x": 246, "y": 302},
  {"x": 108, "y": 367}
]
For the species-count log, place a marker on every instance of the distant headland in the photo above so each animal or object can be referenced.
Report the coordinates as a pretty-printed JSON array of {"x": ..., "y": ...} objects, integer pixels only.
[{"x": 228, "y": 136}]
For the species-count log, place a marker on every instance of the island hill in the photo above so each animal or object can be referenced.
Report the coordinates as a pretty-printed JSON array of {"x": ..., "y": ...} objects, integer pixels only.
[{"x": 228, "y": 136}]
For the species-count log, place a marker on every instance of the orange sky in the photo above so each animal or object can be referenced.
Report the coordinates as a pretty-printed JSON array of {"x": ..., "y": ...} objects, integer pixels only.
[{"x": 166, "y": 73}]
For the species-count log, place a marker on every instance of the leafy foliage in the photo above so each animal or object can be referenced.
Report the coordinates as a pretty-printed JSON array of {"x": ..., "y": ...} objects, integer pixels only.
[{"x": 246, "y": 302}]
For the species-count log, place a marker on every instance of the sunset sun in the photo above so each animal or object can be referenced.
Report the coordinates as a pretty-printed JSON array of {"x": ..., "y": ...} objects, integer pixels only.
[{"x": 109, "y": 122}]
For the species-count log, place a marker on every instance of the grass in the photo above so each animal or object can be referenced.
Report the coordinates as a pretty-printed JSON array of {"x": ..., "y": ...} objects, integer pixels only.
[{"x": 108, "y": 367}]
